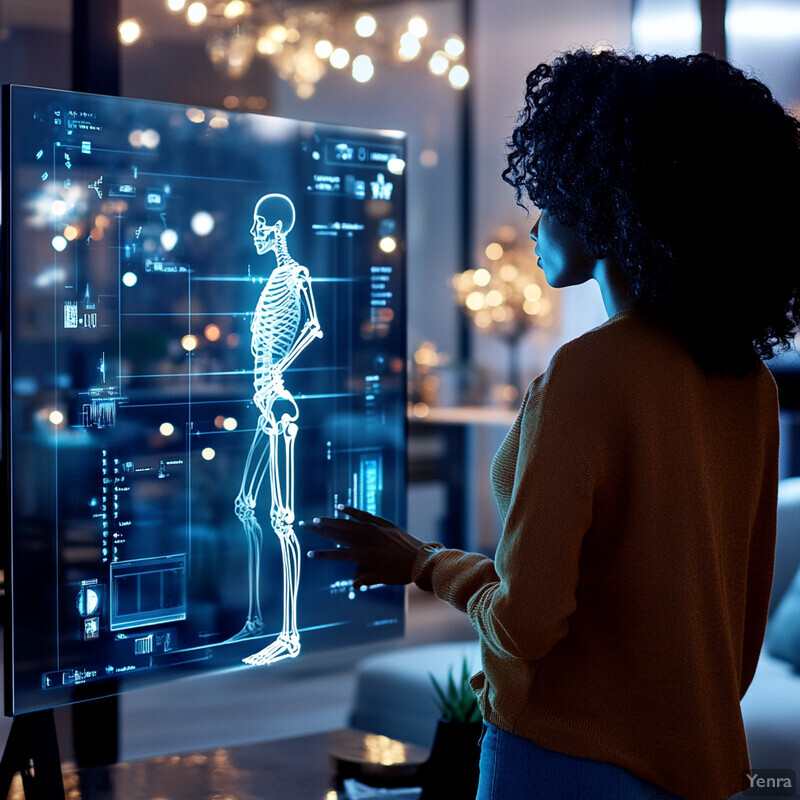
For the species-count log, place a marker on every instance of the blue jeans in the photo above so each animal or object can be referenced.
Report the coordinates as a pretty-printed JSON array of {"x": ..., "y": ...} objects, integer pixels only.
[{"x": 513, "y": 768}]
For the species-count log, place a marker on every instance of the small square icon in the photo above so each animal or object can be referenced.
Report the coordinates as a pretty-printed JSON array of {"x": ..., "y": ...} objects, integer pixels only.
[{"x": 91, "y": 628}]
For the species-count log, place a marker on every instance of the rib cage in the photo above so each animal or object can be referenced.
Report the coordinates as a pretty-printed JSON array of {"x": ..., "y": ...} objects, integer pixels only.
[{"x": 277, "y": 317}]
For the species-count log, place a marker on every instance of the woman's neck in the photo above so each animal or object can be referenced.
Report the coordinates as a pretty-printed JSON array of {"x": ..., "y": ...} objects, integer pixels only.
[{"x": 613, "y": 285}]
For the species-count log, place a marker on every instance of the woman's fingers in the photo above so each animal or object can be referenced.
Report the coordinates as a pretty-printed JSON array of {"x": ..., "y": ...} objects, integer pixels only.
[
  {"x": 364, "y": 516},
  {"x": 341, "y": 530},
  {"x": 366, "y": 581},
  {"x": 384, "y": 553}
]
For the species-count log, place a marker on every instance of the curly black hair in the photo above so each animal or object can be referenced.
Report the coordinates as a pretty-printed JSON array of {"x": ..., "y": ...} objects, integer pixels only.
[{"x": 687, "y": 172}]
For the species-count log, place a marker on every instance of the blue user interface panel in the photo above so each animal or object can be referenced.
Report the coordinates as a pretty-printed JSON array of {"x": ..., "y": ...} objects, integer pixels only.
[{"x": 204, "y": 344}]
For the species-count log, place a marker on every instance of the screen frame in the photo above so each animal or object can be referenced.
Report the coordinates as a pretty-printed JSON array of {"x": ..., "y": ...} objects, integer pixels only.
[
  {"x": 111, "y": 686},
  {"x": 5, "y": 399}
]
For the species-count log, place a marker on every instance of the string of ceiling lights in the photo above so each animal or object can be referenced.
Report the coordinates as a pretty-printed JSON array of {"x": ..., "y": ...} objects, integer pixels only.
[{"x": 304, "y": 42}]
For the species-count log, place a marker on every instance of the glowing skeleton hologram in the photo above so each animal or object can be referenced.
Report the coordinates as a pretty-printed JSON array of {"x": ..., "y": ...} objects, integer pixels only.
[{"x": 277, "y": 340}]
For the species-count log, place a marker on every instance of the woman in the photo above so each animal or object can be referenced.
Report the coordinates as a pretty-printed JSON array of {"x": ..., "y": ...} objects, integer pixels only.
[{"x": 621, "y": 620}]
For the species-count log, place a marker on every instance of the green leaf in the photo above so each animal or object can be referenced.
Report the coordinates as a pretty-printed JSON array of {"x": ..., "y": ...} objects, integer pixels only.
[{"x": 458, "y": 702}]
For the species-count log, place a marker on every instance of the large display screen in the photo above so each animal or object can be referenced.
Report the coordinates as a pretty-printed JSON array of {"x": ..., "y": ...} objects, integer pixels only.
[{"x": 203, "y": 345}]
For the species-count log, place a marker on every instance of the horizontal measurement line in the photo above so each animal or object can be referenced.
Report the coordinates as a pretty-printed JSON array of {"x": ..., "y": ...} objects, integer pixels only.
[
  {"x": 244, "y": 279},
  {"x": 213, "y": 433},
  {"x": 254, "y": 639},
  {"x": 242, "y": 372},
  {"x": 237, "y": 400},
  {"x": 217, "y": 401},
  {"x": 246, "y": 372},
  {"x": 325, "y": 396},
  {"x": 198, "y": 177},
  {"x": 97, "y": 149},
  {"x": 187, "y": 314}
]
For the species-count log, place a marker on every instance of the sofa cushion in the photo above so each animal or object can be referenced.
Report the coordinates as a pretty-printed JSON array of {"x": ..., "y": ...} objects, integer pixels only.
[
  {"x": 787, "y": 545},
  {"x": 783, "y": 630}
]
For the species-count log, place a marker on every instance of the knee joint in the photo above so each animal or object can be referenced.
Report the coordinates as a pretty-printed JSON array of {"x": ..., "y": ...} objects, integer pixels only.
[
  {"x": 244, "y": 509},
  {"x": 281, "y": 519}
]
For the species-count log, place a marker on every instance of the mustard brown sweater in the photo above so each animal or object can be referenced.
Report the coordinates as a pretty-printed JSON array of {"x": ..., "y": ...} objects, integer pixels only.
[{"x": 623, "y": 615}]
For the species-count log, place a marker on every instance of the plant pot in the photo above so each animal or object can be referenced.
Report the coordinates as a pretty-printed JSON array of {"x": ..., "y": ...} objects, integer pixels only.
[{"x": 451, "y": 771}]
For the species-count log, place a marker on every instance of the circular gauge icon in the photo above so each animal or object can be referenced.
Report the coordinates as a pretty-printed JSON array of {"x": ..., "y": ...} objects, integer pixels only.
[{"x": 88, "y": 601}]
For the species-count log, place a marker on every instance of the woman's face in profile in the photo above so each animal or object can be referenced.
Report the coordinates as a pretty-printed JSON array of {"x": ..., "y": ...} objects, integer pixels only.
[{"x": 561, "y": 253}]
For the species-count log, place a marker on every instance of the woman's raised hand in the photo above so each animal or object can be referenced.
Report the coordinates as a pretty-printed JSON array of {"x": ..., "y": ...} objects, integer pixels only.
[{"x": 384, "y": 553}]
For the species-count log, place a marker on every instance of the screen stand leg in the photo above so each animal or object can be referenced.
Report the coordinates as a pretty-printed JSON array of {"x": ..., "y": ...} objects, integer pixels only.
[
  {"x": 32, "y": 750},
  {"x": 95, "y": 731}
]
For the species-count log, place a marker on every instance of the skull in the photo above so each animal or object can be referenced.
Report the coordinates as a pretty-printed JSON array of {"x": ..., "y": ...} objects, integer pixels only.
[{"x": 273, "y": 217}]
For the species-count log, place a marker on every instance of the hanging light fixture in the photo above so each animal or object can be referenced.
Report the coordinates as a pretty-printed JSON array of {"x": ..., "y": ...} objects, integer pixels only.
[
  {"x": 304, "y": 42},
  {"x": 508, "y": 296},
  {"x": 232, "y": 51}
]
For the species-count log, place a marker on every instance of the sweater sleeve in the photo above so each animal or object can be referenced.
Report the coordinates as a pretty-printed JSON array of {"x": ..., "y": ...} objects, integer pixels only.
[
  {"x": 761, "y": 557},
  {"x": 520, "y": 602}
]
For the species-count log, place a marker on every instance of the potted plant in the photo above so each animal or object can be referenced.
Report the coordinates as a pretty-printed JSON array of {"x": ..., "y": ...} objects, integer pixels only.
[{"x": 452, "y": 769}]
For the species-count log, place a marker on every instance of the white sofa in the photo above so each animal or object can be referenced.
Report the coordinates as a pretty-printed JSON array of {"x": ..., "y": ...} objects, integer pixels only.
[
  {"x": 394, "y": 696},
  {"x": 771, "y": 707}
]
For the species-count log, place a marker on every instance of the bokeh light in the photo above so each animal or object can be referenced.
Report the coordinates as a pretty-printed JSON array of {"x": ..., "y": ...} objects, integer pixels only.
[
  {"x": 234, "y": 9},
  {"x": 278, "y": 33},
  {"x": 196, "y": 13},
  {"x": 129, "y": 31},
  {"x": 169, "y": 238},
  {"x": 418, "y": 27},
  {"x": 340, "y": 58},
  {"x": 366, "y": 25},
  {"x": 439, "y": 63},
  {"x": 150, "y": 138},
  {"x": 429, "y": 158},
  {"x": 454, "y": 46},
  {"x": 459, "y": 76},
  {"x": 410, "y": 47},
  {"x": 305, "y": 90},
  {"x": 481, "y": 277},
  {"x": 323, "y": 49},
  {"x": 363, "y": 70},
  {"x": 494, "y": 251},
  {"x": 202, "y": 223}
]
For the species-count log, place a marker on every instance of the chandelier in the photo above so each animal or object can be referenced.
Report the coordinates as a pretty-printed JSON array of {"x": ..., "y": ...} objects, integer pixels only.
[
  {"x": 304, "y": 41},
  {"x": 509, "y": 296}
]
